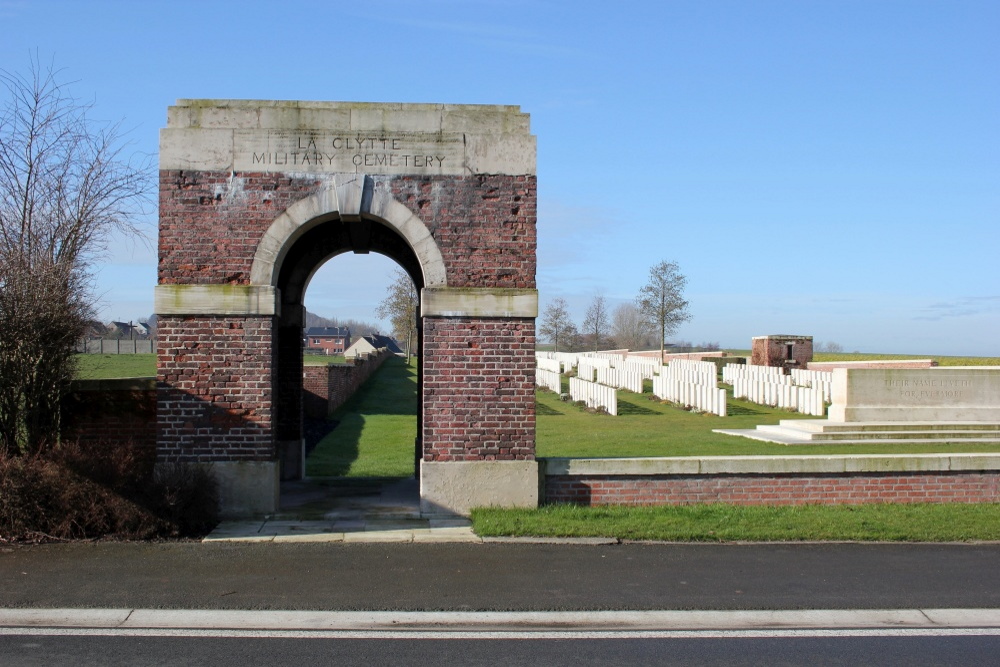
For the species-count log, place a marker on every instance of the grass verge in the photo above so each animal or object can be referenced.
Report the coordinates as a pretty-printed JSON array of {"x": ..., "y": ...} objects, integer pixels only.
[{"x": 738, "y": 523}]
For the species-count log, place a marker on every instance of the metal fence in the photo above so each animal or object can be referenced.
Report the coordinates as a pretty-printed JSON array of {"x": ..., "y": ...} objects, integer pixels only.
[{"x": 116, "y": 346}]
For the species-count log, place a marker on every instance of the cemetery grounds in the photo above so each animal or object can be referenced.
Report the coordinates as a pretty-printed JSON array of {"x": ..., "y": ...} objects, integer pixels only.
[
  {"x": 379, "y": 422},
  {"x": 374, "y": 432}
]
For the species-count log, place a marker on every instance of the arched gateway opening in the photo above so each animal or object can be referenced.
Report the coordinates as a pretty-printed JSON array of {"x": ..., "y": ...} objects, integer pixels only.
[{"x": 255, "y": 196}]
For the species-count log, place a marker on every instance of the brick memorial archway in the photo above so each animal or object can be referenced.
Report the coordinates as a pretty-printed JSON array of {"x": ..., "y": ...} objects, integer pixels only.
[{"x": 255, "y": 196}]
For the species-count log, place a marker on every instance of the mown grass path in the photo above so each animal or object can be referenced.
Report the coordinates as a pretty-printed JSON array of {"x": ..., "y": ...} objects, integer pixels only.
[{"x": 376, "y": 429}]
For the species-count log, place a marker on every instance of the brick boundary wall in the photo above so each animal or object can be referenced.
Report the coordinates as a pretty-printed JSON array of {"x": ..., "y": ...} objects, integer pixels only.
[
  {"x": 110, "y": 411},
  {"x": 326, "y": 388},
  {"x": 823, "y": 489},
  {"x": 875, "y": 363},
  {"x": 689, "y": 356}
]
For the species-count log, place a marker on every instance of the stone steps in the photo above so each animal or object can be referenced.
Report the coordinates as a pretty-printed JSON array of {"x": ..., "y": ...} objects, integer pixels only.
[
  {"x": 826, "y": 426},
  {"x": 819, "y": 431}
]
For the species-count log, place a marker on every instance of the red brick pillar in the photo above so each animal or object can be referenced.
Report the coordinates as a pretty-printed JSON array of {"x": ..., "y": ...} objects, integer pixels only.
[
  {"x": 215, "y": 402},
  {"x": 478, "y": 425}
]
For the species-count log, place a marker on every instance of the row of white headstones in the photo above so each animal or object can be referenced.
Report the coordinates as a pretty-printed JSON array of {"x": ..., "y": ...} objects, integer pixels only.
[{"x": 689, "y": 383}]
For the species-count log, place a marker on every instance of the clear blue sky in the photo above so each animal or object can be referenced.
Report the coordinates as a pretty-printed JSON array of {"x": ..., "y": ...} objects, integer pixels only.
[{"x": 828, "y": 168}]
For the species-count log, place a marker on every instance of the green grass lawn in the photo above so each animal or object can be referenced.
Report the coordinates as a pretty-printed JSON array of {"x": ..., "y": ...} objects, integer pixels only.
[
  {"x": 647, "y": 427},
  {"x": 727, "y": 523},
  {"x": 377, "y": 428},
  {"x": 322, "y": 359},
  {"x": 104, "y": 366}
]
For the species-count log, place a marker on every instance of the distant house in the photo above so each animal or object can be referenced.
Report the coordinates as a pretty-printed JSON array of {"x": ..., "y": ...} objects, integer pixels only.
[
  {"x": 94, "y": 329},
  {"x": 130, "y": 330},
  {"x": 368, "y": 344},
  {"x": 328, "y": 340}
]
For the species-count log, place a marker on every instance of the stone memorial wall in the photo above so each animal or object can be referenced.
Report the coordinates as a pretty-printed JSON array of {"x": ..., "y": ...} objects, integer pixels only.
[{"x": 940, "y": 394}]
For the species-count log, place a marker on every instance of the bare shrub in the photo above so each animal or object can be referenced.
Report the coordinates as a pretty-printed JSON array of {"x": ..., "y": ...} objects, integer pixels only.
[
  {"x": 77, "y": 491},
  {"x": 188, "y": 497},
  {"x": 43, "y": 499},
  {"x": 65, "y": 187}
]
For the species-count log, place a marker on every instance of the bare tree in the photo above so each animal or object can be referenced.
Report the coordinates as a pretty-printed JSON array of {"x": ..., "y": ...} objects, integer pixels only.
[
  {"x": 400, "y": 308},
  {"x": 629, "y": 328},
  {"x": 661, "y": 300},
  {"x": 65, "y": 188},
  {"x": 556, "y": 326},
  {"x": 151, "y": 326},
  {"x": 596, "y": 323}
]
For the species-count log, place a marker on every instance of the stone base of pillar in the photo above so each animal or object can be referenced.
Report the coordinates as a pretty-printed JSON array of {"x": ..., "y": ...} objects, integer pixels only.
[
  {"x": 246, "y": 488},
  {"x": 456, "y": 487}
]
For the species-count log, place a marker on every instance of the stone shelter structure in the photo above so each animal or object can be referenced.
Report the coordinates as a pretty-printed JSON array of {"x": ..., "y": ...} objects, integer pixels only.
[
  {"x": 781, "y": 351},
  {"x": 256, "y": 195}
]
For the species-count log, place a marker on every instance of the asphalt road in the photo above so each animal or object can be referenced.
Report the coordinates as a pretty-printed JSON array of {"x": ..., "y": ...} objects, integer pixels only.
[
  {"x": 499, "y": 576},
  {"x": 913, "y": 652}
]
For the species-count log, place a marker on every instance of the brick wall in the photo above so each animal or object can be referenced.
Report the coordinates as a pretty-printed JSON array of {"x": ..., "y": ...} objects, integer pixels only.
[
  {"x": 884, "y": 363},
  {"x": 484, "y": 225},
  {"x": 211, "y": 223},
  {"x": 479, "y": 389},
  {"x": 110, "y": 411},
  {"x": 215, "y": 388},
  {"x": 936, "y": 487},
  {"x": 217, "y": 372},
  {"x": 670, "y": 356},
  {"x": 326, "y": 388}
]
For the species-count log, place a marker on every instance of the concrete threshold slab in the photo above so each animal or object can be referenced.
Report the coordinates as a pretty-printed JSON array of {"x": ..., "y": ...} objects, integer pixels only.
[{"x": 353, "y": 532}]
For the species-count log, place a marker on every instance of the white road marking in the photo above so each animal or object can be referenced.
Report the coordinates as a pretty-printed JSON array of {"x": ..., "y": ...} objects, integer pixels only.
[
  {"x": 529, "y": 624},
  {"x": 496, "y": 634}
]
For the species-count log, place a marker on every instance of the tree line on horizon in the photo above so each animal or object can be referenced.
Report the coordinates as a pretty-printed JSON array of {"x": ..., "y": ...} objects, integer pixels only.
[{"x": 658, "y": 309}]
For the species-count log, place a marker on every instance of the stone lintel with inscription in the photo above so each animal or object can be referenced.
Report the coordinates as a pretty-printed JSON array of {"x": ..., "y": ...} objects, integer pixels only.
[{"x": 456, "y": 140}]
